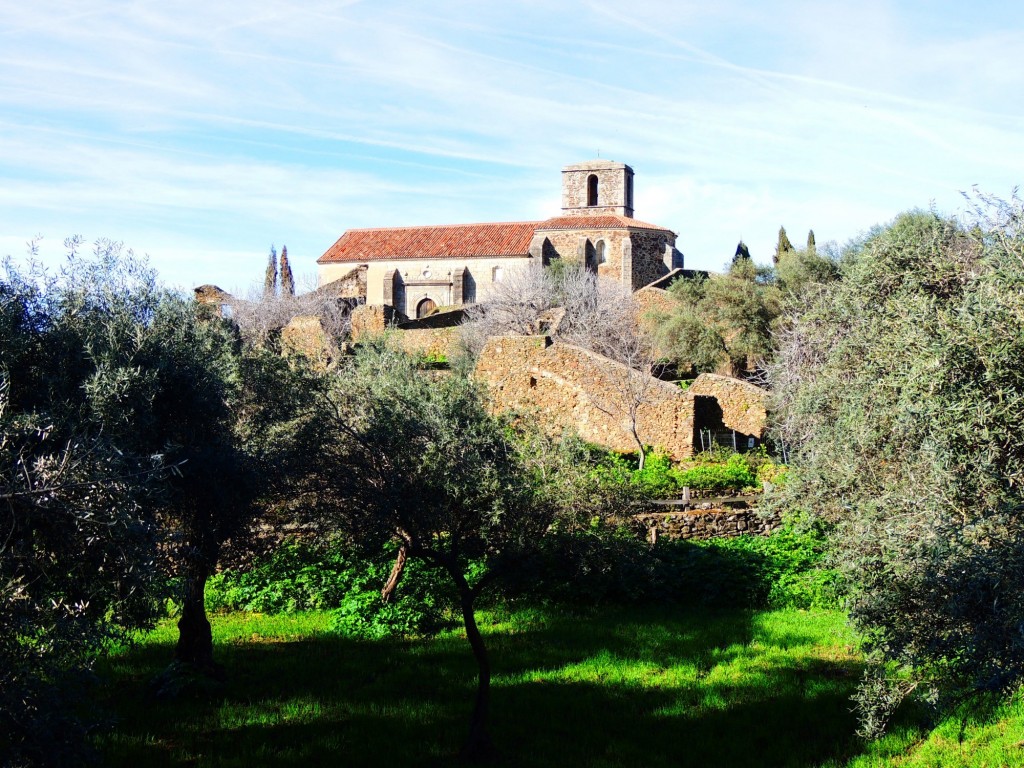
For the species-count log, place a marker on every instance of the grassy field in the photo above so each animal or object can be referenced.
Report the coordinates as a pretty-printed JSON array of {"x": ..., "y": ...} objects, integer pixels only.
[{"x": 614, "y": 687}]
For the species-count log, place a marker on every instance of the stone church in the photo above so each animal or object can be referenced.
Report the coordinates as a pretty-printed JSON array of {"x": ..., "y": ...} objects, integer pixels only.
[{"x": 417, "y": 269}]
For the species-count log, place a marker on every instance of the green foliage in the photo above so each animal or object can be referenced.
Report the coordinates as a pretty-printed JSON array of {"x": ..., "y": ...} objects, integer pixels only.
[
  {"x": 612, "y": 565},
  {"x": 300, "y": 577},
  {"x": 734, "y": 474},
  {"x": 660, "y": 478},
  {"x": 901, "y": 393}
]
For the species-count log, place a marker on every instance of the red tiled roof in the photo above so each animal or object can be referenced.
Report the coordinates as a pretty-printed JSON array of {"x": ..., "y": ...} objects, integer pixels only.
[
  {"x": 461, "y": 241},
  {"x": 453, "y": 241},
  {"x": 597, "y": 221}
]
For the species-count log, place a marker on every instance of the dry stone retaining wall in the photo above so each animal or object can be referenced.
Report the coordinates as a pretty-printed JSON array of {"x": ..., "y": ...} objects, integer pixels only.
[{"x": 705, "y": 524}]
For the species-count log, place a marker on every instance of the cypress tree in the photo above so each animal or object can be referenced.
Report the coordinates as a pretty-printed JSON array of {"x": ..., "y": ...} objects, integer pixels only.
[
  {"x": 784, "y": 246},
  {"x": 270, "y": 279},
  {"x": 287, "y": 281},
  {"x": 811, "y": 247}
]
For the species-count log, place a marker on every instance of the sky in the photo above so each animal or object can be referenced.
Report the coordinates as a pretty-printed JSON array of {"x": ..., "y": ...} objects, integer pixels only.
[{"x": 202, "y": 133}]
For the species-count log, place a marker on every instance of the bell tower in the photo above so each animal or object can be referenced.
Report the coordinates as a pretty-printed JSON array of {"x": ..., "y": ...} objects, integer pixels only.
[{"x": 597, "y": 187}]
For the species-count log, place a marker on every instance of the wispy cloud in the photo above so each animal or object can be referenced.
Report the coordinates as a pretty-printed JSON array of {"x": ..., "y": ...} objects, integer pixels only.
[{"x": 216, "y": 128}]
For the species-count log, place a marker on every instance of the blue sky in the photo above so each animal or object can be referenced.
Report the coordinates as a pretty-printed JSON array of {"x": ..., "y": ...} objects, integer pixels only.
[{"x": 202, "y": 132}]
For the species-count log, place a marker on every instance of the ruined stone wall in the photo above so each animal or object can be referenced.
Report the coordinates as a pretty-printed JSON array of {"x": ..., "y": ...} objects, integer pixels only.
[
  {"x": 351, "y": 285},
  {"x": 305, "y": 335},
  {"x": 369, "y": 321},
  {"x": 705, "y": 524},
  {"x": 567, "y": 387},
  {"x": 437, "y": 343},
  {"x": 744, "y": 405}
]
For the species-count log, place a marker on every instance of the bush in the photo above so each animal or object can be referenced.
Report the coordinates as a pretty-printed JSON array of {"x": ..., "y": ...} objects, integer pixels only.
[
  {"x": 733, "y": 475},
  {"x": 714, "y": 471},
  {"x": 299, "y": 576},
  {"x": 611, "y": 565}
]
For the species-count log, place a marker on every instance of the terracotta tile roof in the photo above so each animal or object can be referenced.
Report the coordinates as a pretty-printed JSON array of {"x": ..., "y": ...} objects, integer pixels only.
[
  {"x": 462, "y": 241},
  {"x": 452, "y": 241},
  {"x": 597, "y": 221}
]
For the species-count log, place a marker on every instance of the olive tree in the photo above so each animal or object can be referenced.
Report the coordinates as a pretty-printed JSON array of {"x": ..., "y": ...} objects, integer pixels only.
[
  {"x": 419, "y": 460},
  {"x": 900, "y": 393}
]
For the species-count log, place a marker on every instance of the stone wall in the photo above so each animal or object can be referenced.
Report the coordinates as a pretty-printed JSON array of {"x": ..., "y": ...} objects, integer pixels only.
[
  {"x": 369, "y": 321},
  {"x": 744, "y": 405},
  {"x": 705, "y": 524},
  {"x": 649, "y": 256},
  {"x": 567, "y": 387},
  {"x": 351, "y": 285},
  {"x": 305, "y": 335},
  {"x": 614, "y": 188},
  {"x": 478, "y": 278}
]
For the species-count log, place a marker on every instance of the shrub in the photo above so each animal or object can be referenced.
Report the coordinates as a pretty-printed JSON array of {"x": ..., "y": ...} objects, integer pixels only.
[
  {"x": 733, "y": 475},
  {"x": 299, "y": 576}
]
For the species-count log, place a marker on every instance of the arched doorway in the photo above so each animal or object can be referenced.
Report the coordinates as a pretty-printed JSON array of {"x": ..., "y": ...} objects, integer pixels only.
[{"x": 425, "y": 307}]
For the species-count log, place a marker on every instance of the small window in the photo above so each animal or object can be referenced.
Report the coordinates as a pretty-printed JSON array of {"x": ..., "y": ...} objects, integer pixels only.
[
  {"x": 497, "y": 274},
  {"x": 592, "y": 189}
]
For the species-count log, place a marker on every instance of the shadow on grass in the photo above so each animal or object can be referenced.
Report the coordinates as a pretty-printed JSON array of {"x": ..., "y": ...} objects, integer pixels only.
[{"x": 606, "y": 688}]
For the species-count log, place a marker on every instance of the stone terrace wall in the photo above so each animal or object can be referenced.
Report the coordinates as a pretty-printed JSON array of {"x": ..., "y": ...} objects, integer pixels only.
[
  {"x": 697, "y": 524},
  {"x": 566, "y": 386},
  {"x": 744, "y": 406}
]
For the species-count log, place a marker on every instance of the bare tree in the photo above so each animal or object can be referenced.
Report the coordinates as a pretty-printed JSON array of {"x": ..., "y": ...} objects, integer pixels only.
[
  {"x": 261, "y": 316},
  {"x": 600, "y": 315}
]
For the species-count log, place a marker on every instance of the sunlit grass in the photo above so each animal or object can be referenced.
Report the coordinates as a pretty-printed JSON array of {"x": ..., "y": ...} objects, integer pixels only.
[{"x": 614, "y": 687}]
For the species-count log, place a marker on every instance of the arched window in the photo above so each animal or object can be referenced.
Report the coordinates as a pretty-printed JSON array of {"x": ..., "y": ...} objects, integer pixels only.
[
  {"x": 425, "y": 307},
  {"x": 601, "y": 258},
  {"x": 592, "y": 189}
]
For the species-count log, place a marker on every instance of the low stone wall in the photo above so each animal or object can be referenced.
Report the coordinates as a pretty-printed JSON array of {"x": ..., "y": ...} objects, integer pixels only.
[
  {"x": 430, "y": 342},
  {"x": 705, "y": 524},
  {"x": 568, "y": 387}
]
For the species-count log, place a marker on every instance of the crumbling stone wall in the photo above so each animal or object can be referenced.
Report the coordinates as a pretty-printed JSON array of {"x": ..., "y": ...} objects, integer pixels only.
[
  {"x": 305, "y": 335},
  {"x": 744, "y": 405},
  {"x": 705, "y": 524},
  {"x": 351, "y": 285},
  {"x": 564, "y": 386},
  {"x": 369, "y": 321}
]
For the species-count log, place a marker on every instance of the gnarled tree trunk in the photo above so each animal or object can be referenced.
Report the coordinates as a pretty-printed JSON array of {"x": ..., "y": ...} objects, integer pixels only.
[
  {"x": 195, "y": 637},
  {"x": 478, "y": 746}
]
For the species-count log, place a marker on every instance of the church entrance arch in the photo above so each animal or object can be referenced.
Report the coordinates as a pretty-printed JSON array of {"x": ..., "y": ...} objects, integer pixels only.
[{"x": 425, "y": 307}]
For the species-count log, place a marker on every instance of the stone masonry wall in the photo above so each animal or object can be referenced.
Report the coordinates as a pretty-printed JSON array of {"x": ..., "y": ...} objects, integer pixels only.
[
  {"x": 567, "y": 243},
  {"x": 611, "y": 188},
  {"x": 564, "y": 386},
  {"x": 705, "y": 524},
  {"x": 305, "y": 335},
  {"x": 744, "y": 406},
  {"x": 649, "y": 256}
]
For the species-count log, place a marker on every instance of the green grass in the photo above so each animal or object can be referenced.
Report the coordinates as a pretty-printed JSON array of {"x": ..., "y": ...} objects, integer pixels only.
[
  {"x": 609, "y": 687},
  {"x": 614, "y": 687}
]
